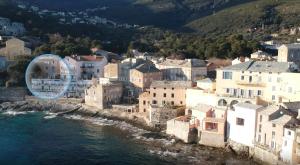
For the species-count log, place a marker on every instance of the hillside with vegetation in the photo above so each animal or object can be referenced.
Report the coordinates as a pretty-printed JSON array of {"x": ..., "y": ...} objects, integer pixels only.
[{"x": 269, "y": 16}]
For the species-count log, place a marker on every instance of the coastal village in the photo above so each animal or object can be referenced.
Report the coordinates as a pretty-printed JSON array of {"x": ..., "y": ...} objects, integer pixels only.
[{"x": 251, "y": 104}]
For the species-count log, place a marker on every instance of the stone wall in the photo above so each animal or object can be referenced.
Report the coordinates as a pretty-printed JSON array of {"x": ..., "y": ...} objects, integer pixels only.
[
  {"x": 181, "y": 130},
  {"x": 211, "y": 139},
  {"x": 262, "y": 155},
  {"x": 160, "y": 115},
  {"x": 12, "y": 94}
]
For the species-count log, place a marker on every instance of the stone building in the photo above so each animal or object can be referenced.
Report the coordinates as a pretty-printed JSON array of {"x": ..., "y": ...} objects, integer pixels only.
[
  {"x": 289, "y": 53},
  {"x": 169, "y": 92},
  {"x": 14, "y": 47},
  {"x": 143, "y": 75},
  {"x": 104, "y": 93},
  {"x": 182, "y": 70}
]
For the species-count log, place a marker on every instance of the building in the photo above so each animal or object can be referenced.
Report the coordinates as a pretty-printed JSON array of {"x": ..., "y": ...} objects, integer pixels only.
[
  {"x": 121, "y": 70},
  {"x": 262, "y": 56},
  {"x": 11, "y": 28},
  {"x": 276, "y": 134},
  {"x": 14, "y": 47},
  {"x": 204, "y": 124},
  {"x": 290, "y": 150},
  {"x": 86, "y": 67},
  {"x": 52, "y": 87},
  {"x": 257, "y": 82},
  {"x": 239, "y": 60},
  {"x": 143, "y": 75},
  {"x": 162, "y": 94},
  {"x": 241, "y": 123},
  {"x": 169, "y": 92},
  {"x": 204, "y": 92},
  {"x": 159, "y": 115},
  {"x": 289, "y": 53},
  {"x": 104, "y": 93},
  {"x": 182, "y": 70}
]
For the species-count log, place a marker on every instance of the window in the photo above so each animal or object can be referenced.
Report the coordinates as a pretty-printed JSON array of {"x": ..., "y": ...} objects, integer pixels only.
[
  {"x": 260, "y": 118},
  {"x": 242, "y": 92},
  {"x": 163, "y": 102},
  {"x": 259, "y": 138},
  {"x": 242, "y": 77},
  {"x": 181, "y": 102},
  {"x": 227, "y": 75},
  {"x": 273, "y": 97},
  {"x": 144, "y": 110},
  {"x": 273, "y": 134},
  {"x": 270, "y": 79},
  {"x": 273, "y": 125},
  {"x": 98, "y": 70},
  {"x": 250, "y": 79},
  {"x": 172, "y": 88},
  {"x": 165, "y": 95},
  {"x": 165, "y": 88},
  {"x": 285, "y": 143},
  {"x": 154, "y": 94},
  {"x": 154, "y": 102},
  {"x": 172, "y": 102},
  {"x": 289, "y": 133},
  {"x": 172, "y": 95},
  {"x": 227, "y": 90},
  {"x": 259, "y": 128},
  {"x": 144, "y": 102},
  {"x": 240, "y": 121},
  {"x": 259, "y": 93}
]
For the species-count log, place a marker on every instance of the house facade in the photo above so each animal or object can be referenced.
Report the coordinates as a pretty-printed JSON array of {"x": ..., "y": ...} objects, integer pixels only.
[
  {"x": 242, "y": 123},
  {"x": 104, "y": 93},
  {"x": 143, "y": 75},
  {"x": 14, "y": 47},
  {"x": 257, "y": 82},
  {"x": 182, "y": 70},
  {"x": 86, "y": 67}
]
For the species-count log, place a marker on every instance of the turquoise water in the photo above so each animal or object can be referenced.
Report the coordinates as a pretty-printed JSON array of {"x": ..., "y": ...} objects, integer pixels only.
[{"x": 32, "y": 140}]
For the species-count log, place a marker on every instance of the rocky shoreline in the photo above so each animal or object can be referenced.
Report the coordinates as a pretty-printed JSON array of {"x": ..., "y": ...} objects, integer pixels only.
[{"x": 156, "y": 142}]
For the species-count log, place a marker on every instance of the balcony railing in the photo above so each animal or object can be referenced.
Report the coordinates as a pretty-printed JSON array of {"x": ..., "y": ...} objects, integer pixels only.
[{"x": 250, "y": 83}]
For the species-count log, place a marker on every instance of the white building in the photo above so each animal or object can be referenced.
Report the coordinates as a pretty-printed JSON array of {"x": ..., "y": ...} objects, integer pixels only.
[
  {"x": 203, "y": 93},
  {"x": 289, "y": 146},
  {"x": 51, "y": 87},
  {"x": 241, "y": 123},
  {"x": 86, "y": 67}
]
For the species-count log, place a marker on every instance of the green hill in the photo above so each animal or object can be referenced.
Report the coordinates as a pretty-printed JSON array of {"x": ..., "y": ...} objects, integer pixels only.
[{"x": 270, "y": 14}]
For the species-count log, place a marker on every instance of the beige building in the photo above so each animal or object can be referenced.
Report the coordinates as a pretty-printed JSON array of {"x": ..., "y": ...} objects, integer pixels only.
[
  {"x": 15, "y": 47},
  {"x": 162, "y": 93},
  {"x": 182, "y": 70},
  {"x": 274, "y": 133},
  {"x": 104, "y": 94},
  {"x": 143, "y": 75},
  {"x": 169, "y": 92},
  {"x": 257, "y": 82}
]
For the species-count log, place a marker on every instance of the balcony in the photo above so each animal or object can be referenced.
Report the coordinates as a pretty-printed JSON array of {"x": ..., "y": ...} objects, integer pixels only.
[{"x": 248, "y": 83}]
